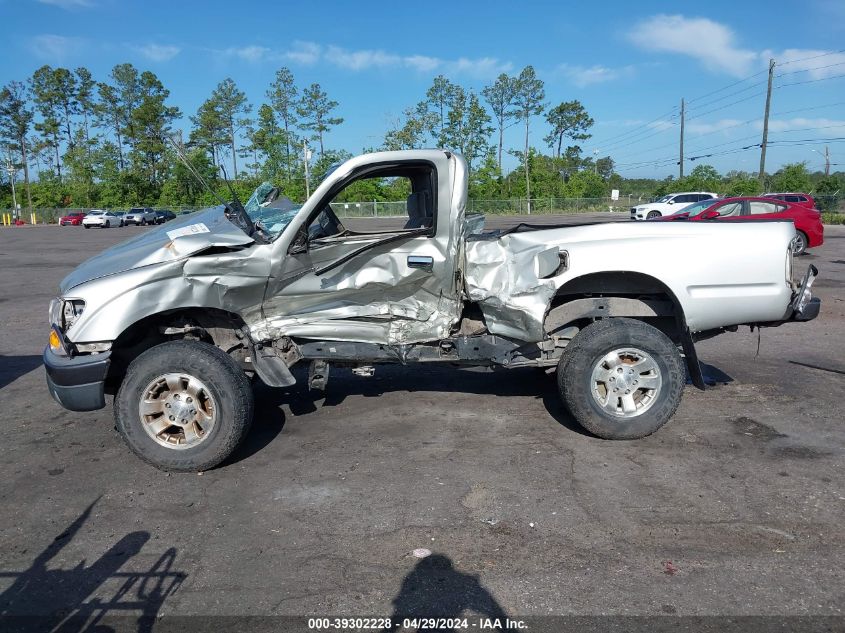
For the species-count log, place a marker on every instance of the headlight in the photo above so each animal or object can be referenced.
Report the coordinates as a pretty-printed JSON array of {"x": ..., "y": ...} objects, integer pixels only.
[
  {"x": 71, "y": 310},
  {"x": 55, "y": 313},
  {"x": 64, "y": 312}
]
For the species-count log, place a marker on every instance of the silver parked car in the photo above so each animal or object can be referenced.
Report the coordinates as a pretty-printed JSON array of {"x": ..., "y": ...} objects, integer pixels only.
[
  {"x": 140, "y": 215},
  {"x": 176, "y": 321}
]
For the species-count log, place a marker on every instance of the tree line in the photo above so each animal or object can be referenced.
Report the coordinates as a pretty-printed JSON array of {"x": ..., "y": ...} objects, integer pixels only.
[{"x": 80, "y": 142}]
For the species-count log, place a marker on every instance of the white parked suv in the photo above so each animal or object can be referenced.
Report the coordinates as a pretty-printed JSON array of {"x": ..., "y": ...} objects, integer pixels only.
[{"x": 669, "y": 204}]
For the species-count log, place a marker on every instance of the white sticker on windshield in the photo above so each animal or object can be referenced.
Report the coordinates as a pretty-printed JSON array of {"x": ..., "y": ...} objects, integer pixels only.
[{"x": 191, "y": 229}]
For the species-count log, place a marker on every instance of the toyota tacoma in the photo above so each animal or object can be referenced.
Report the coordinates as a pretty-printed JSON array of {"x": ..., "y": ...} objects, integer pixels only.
[{"x": 175, "y": 323}]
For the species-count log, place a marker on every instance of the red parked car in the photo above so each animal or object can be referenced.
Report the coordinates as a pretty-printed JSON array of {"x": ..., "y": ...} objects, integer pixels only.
[
  {"x": 801, "y": 199},
  {"x": 809, "y": 231},
  {"x": 73, "y": 219}
]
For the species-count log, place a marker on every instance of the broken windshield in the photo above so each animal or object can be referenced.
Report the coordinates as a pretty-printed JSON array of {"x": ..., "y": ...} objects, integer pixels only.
[{"x": 269, "y": 210}]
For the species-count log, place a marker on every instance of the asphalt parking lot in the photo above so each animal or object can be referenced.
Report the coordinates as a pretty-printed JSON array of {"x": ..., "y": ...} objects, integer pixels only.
[{"x": 735, "y": 508}]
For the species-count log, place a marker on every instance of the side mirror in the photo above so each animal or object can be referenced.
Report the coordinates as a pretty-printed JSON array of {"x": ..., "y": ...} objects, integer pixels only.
[
  {"x": 671, "y": 202},
  {"x": 710, "y": 215}
]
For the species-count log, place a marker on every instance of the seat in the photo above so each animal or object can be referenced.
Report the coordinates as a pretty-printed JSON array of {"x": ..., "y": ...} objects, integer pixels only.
[{"x": 419, "y": 211}]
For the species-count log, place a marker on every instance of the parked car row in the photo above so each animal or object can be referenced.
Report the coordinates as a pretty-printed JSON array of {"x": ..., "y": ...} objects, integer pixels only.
[
  {"x": 106, "y": 219},
  {"x": 809, "y": 230}
]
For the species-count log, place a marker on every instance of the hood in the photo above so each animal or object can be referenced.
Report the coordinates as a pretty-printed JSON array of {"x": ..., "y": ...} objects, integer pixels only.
[{"x": 185, "y": 236}]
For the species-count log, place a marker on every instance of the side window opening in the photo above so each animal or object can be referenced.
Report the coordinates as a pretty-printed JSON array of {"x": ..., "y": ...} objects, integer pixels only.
[
  {"x": 730, "y": 209},
  {"x": 389, "y": 200},
  {"x": 757, "y": 207}
]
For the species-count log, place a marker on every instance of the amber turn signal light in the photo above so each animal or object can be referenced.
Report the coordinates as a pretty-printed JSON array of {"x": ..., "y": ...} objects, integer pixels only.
[{"x": 55, "y": 342}]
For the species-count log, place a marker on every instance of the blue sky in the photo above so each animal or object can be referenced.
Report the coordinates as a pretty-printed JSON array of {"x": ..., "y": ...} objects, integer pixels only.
[{"x": 628, "y": 63}]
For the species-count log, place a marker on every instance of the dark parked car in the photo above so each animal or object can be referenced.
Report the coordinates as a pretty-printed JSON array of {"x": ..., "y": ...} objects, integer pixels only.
[
  {"x": 163, "y": 215},
  {"x": 809, "y": 231}
]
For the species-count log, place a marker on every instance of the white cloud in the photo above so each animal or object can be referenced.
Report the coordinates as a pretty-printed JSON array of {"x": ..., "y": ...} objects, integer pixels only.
[
  {"x": 305, "y": 53},
  {"x": 821, "y": 126},
  {"x": 249, "y": 53},
  {"x": 712, "y": 43},
  {"x": 69, "y": 4},
  {"x": 55, "y": 48},
  {"x": 480, "y": 67},
  {"x": 422, "y": 63},
  {"x": 360, "y": 60},
  {"x": 357, "y": 60},
  {"x": 586, "y": 75},
  {"x": 158, "y": 52},
  {"x": 715, "y": 45}
]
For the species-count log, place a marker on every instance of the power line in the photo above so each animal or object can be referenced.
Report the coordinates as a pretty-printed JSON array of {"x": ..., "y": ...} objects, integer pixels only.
[
  {"x": 667, "y": 116},
  {"x": 731, "y": 85},
  {"x": 827, "y": 105},
  {"x": 727, "y": 105},
  {"x": 804, "y": 59},
  {"x": 811, "y": 81},
  {"x": 728, "y": 96},
  {"x": 701, "y": 152},
  {"x": 807, "y": 70}
]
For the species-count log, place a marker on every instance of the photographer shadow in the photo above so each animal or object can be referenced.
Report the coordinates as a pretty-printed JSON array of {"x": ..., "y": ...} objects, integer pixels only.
[{"x": 434, "y": 590}]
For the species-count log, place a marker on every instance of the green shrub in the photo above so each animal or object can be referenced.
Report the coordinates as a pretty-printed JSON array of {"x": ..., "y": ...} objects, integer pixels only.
[{"x": 833, "y": 218}]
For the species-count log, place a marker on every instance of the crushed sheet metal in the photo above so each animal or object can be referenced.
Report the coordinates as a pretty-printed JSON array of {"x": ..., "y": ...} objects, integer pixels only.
[
  {"x": 191, "y": 229},
  {"x": 227, "y": 281},
  {"x": 375, "y": 297},
  {"x": 502, "y": 277},
  {"x": 155, "y": 246}
]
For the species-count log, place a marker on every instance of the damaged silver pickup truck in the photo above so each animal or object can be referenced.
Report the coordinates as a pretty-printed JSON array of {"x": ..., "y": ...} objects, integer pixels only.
[{"x": 177, "y": 321}]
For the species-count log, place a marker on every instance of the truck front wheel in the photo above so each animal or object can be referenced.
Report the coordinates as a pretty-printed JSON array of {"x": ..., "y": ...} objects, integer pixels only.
[
  {"x": 621, "y": 379},
  {"x": 184, "y": 406}
]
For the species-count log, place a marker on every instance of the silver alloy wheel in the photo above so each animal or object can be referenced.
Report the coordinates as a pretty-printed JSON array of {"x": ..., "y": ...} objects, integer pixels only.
[
  {"x": 177, "y": 410},
  {"x": 626, "y": 382},
  {"x": 799, "y": 244}
]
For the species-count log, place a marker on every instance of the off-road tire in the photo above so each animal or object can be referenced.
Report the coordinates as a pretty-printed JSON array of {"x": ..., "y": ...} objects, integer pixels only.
[
  {"x": 590, "y": 345},
  {"x": 228, "y": 384}
]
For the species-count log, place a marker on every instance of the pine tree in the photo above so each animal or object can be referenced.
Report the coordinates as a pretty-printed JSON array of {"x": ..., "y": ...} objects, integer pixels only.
[
  {"x": 15, "y": 121},
  {"x": 315, "y": 110}
]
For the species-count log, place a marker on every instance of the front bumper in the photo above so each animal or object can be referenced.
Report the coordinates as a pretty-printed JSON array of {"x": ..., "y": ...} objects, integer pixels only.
[
  {"x": 804, "y": 306},
  {"x": 77, "y": 383}
]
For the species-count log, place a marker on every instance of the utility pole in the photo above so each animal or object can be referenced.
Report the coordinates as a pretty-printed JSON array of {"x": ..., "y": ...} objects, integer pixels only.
[
  {"x": 681, "y": 159},
  {"x": 306, "y": 157},
  {"x": 826, "y": 161},
  {"x": 12, "y": 174},
  {"x": 762, "y": 175}
]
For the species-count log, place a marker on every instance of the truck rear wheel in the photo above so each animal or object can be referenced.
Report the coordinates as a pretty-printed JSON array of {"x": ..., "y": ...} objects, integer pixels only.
[
  {"x": 621, "y": 378},
  {"x": 184, "y": 406}
]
